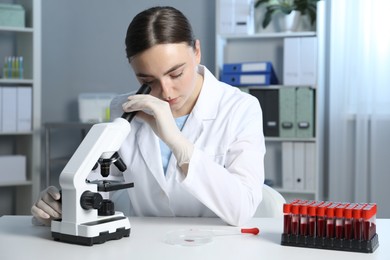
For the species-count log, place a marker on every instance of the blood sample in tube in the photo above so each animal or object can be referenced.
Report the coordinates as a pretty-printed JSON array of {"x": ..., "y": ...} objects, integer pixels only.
[
  {"x": 357, "y": 221},
  {"x": 330, "y": 220},
  {"x": 339, "y": 220},
  {"x": 369, "y": 221},
  {"x": 348, "y": 221},
  {"x": 312, "y": 216},
  {"x": 321, "y": 210}
]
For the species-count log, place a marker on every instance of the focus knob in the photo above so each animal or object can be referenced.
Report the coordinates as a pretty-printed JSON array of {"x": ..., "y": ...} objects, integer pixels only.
[{"x": 91, "y": 200}]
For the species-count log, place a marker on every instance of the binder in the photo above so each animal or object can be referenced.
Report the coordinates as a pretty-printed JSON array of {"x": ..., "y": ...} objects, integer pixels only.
[
  {"x": 305, "y": 112},
  {"x": 269, "y": 102},
  {"x": 300, "y": 61},
  {"x": 287, "y": 165},
  {"x": 248, "y": 67},
  {"x": 299, "y": 165},
  {"x": 291, "y": 63},
  {"x": 310, "y": 166},
  {"x": 9, "y": 109},
  {"x": 226, "y": 16},
  {"x": 248, "y": 79},
  {"x": 287, "y": 124},
  {"x": 308, "y": 61},
  {"x": 24, "y": 109},
  {"x": 236, "y": 17}
]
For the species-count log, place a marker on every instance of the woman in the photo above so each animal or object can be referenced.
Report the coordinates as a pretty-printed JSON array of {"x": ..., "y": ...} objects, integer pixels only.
[{"x": 196, "y": 147}]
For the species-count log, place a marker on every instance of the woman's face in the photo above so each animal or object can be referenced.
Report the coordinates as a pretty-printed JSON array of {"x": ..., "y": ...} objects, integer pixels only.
[{"x": 171, "y": 72}]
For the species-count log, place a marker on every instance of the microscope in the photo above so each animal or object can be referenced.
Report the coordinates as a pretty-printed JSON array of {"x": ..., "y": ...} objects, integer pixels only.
[{"x": 87, "y": 218}]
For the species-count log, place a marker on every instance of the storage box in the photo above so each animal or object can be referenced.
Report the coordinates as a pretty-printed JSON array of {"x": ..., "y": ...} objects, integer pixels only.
[
  {"x": 12, "y": 15},
  {"x": 13, "y": 168},
  {"x": 95, "y": 107}
]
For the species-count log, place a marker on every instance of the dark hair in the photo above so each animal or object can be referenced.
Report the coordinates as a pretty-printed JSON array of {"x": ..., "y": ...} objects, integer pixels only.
[{"x": 157, "y": 25}]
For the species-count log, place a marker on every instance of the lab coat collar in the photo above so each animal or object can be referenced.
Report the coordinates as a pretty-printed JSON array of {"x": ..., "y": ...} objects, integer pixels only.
[{"x": 206, "y": 107}]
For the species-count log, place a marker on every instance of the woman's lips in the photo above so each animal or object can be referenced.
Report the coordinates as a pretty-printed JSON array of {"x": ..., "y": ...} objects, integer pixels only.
[{"x": 172, "y": 101}]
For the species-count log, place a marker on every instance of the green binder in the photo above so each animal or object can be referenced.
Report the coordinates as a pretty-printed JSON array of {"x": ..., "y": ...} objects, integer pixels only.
[
  {"x": 287, "y": 108},
  {"x": 305, "y": 112}
]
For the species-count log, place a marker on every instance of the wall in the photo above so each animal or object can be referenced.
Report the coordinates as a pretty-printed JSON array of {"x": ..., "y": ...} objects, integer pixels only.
[{"x": 83, "y": 48}]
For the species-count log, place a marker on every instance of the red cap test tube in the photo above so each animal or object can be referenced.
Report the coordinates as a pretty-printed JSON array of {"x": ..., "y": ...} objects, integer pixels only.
[
  {"x": 339, "y": 221},
  {"x": 295, "y": 217},
  {"x": 287, "y": 216},
  {"x": 312, "y": 215},
  {"x": 369, "y": 221},
  {"x": 303, "y": 225},
  {"x": 357, "y": 221},
  {"x": 330, "y": 220},
  {"x": 348, "y": 221},
  {"x": 321, "y": 210}
]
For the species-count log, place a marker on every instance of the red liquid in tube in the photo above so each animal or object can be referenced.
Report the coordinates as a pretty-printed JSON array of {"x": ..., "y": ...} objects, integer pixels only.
[
  {"x": 369, "y": 221},
  {"x": 312, "y": 216},
  {"x": 357, "y": 221},
  {"x": 287, "y": 217},
  {"x": 330, "y": 220},
  {"x": 348, "y": 221},
  {"x": 339, "y": 220},
  {"x": 321, "y": 210}
]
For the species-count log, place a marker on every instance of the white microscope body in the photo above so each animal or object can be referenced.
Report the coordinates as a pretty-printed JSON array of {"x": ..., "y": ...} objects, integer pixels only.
[{"x": 81, "y": 223}]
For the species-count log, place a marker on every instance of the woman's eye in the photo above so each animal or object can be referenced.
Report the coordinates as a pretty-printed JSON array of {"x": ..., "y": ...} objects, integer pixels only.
[{"x": 177, "y": 75}]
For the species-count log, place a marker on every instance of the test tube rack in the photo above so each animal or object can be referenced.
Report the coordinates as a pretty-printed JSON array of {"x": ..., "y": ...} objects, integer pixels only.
[{"x": 330, "y": 225}]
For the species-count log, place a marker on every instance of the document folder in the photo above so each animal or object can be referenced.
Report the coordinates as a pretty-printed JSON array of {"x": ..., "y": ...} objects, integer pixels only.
[
  {"x": 269, "y": 101},
  {"x": 287, "y": 126},
  {"x": 246, "y": 80},
  {"x": 287, "y": 165},
  {"x": 305, "y": 112},
  {"x": 248, "y": 67}
]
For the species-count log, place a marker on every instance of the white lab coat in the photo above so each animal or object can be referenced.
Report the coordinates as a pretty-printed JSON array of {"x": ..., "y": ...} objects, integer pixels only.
[{"x": 226, "y": 170}]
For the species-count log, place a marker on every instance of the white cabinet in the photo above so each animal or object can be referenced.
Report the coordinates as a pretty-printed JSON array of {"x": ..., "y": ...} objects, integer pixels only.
[
  {"x": 280, "y": 164},
  {"x": 25, "y": 42}
]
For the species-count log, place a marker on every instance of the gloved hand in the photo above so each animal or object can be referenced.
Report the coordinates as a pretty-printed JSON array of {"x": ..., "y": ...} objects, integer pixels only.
[
  {"x": 158, "y": 115},
  {"x": 47, "y": 207}
]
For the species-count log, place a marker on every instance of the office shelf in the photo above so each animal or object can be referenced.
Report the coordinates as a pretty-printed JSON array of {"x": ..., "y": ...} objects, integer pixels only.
[
  {"x": 269, "y": 46},
  {"x": 26, "y": 42}
]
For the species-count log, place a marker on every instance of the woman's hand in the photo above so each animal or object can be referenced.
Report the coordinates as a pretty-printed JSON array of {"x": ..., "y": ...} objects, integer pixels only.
[
  {"x": 158, "y": 115},
  {"x": 47, "y": 207}
]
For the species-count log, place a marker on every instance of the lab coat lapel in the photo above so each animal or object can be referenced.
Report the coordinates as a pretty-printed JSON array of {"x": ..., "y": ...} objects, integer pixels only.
[{"x": 149, "y": 147}]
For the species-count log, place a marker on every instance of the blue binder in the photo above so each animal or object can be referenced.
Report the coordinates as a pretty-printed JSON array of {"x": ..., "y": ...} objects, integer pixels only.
[
  {"x": 263, "y": 67},
  {"x": 242, "y": 80}
]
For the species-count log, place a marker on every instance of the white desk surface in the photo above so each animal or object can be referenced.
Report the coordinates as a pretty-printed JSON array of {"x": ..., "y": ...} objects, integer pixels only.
[{"x": 19, "y": 239}]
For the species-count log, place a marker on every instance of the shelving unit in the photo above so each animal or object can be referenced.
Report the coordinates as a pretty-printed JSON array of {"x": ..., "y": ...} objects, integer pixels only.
[
  {"x": 268, "y": 46},
  {"x": 24, "y": 42}
]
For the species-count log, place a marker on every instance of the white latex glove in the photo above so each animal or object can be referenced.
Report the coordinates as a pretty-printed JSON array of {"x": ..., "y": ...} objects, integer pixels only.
[
  {"x": 47, "y": 207},
  {"x": 158, "y": 115}
]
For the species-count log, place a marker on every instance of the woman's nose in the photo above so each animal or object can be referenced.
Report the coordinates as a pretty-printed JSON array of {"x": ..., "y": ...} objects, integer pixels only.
[{"x": 166, "y": 90}]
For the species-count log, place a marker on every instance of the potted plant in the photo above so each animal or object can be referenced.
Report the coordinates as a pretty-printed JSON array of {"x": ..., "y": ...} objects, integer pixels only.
[{"x": 305, "y": 7}]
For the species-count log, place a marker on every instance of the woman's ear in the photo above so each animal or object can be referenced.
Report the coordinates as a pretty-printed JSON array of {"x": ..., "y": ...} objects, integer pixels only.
[{"x": 197, "y": 51}]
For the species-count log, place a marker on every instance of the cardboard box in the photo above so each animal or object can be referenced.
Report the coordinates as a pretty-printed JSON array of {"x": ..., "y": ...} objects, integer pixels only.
[
  {"x": 95, "y": 107},
  {"x": 12, "y": 15},
  {"x": 13, "y": 168}
]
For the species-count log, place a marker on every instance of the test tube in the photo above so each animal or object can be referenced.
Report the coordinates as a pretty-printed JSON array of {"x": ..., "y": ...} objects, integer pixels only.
[
  {"x": 339, "y": 220},
  {"x": 312, "y": 216},
  {"x": 330, "y": 220},
  {"x": 348, "y": 230},
  {"x": 321, "y": 210},
  {"x": 357, "y": 221},
  {"x": 303, "y": 224},
  {"x": 287, "y": 216},
  {"x": 369, "y": 221}
]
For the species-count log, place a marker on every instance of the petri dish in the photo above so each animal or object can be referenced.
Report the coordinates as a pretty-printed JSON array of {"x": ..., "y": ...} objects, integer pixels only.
[{"x": 188, "y": 237}]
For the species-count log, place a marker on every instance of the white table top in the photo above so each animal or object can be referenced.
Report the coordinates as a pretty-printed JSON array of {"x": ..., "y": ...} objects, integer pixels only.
[{"x": 19, "y": 239}]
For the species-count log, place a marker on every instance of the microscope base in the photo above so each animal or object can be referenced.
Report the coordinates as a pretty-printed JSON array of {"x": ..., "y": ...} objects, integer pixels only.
[{"x": 97, "y": 232}]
